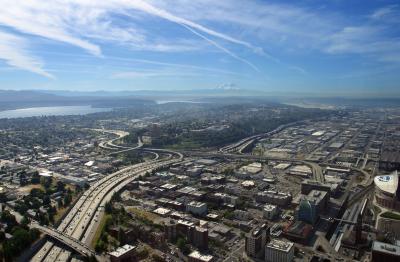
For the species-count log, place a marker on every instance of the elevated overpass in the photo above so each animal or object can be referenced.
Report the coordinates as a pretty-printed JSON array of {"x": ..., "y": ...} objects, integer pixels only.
[
  {"x": 67, "y": 240},
  {"x": 241, "y": 145}
]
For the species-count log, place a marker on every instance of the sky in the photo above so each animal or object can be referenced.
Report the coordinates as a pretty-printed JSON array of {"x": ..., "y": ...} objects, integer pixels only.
[{"x": 313, "y": 46}]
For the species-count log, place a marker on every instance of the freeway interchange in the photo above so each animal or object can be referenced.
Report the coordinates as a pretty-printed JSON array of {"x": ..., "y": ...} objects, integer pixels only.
[{"x": 79, "y": 226}]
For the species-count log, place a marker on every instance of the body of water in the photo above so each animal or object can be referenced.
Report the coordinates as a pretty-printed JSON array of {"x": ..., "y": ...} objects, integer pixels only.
[
  {"x": 51, "y": 111},
  {"x": 160, "y": 102}
]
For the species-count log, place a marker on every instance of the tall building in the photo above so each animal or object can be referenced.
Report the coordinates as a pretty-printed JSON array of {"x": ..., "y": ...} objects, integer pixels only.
[
  {"x": 256, "y": 240},
  {"x": 170, "y": 230},
  {"x": 198, "y": 236},
  {"x": 312, "y": 205},
  {"x": 306, "y": 212},
  {"x": 279, "y": 251},
  {"x": 270, "y": 211}
]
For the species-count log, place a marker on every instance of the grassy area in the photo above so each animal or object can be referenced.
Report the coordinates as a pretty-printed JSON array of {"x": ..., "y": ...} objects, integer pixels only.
[
  {"x": 143, "y": 214},
  {"x": 60, "y": 213},
  {"x": 377, "y": 211},
  {"x": 99, "y": 230},
  {"x": 28, "y": 188},
  {"x": 391, "y": 215},
  {"x": 359, "y": 178}
]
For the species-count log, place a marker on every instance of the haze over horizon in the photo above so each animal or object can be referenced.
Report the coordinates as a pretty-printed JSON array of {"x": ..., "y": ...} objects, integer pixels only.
[{"x": 340, "y": 47}]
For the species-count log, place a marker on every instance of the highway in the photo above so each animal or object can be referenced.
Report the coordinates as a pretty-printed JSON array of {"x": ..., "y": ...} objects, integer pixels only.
[
  {"x": 245, "y": 142},
  {"x": 68, "y": 240},
  {"x": 86, "y": 210},
  {"x": 316, "y": 169},
  {"x": 81, "y": 222}
]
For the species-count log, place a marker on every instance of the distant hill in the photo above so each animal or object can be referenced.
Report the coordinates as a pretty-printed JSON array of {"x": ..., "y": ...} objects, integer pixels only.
[{"x": 10, "y": 99}]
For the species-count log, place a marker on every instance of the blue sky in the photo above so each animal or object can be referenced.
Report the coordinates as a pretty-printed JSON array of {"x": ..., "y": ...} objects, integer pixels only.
[{"x": 338, "y": 46}]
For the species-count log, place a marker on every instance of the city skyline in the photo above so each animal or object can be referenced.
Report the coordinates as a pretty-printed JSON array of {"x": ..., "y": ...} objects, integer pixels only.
[{"x": 303, "y": 47}]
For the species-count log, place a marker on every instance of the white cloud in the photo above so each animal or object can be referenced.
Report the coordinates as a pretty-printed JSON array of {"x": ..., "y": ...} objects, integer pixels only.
[
  {"x": 390, "y": 13},
  {"x": 253, "y": 25},
  {"x": 13, "y": 50},
  {"x": 365, "y": 40},
  {"x": 48, "y": 19},
  {"x": 82, "y": 22},
  {"x": 223, "y": 48},
  {"x": 148, "y": 8}
]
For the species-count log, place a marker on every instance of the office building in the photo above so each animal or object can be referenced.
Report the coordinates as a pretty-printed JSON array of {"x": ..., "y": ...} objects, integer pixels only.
[
  {"x": 385, "y": 252},
  {"x": 198, "y": 237},
  {"x": 312, "y": 205},
  {"x": 270, "y": 211},
  {"x": 197, "y": 208},
  {"x": 279, "y": 251},
  {"x": 125, "y": 253},
  {"x": 255, "y": 241}
]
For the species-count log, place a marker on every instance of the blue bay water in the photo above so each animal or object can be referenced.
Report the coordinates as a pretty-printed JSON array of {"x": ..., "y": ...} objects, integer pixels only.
[{"x": 51, "y": 111}]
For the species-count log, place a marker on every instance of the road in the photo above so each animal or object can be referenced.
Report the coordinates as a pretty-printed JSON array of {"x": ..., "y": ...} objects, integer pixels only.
[
  {"x": 81, "y": 222},
  {"x": 85, "y": 212},
  {"x": 316, "y": 169},
  {"x": 68, "y": 240},
  {"x": 242, "y": 144}
]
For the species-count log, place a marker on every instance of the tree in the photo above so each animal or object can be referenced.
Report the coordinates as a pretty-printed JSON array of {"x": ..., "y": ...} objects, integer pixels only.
[
  {"x": 22, "y": 179},
  {"x": 35, "y": 178},
  {"x": 8, "y": 218},
  {"x": 67, "y": 199},
  {"x": 46, "y": 200},
  {"x": 36, "y": 192},
  {"x": 180, "y": 243},
  {"x": 46, "y": 182},
  {"x": 157, "y": 258},
  {"x": 108, "y": 208},
  {"x": 60, "y": 202},
  {"x": 60, "y": 186},
  {"x": 25, "y": 221},
  {"x": 100, "y": 246}
]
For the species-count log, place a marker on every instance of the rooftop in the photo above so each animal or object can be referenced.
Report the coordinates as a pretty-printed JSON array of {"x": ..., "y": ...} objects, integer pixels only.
[
  {"x": 281, "y": 245},
  {"x": 122, "y": 250},
  {"x": 196, "y": 204},
  {"x": 201, "y": 257},
  {"x": 387, "y": 183},
  {"x": 385, "y": 248}
]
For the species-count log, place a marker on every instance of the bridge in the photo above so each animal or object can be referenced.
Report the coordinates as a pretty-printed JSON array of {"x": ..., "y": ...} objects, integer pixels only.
[{"x": 69, "y": 241}]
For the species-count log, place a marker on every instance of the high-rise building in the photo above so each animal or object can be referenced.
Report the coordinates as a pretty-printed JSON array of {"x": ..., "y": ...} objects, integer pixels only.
[
  {"x": 198, "y": 236},
  {"x": 256, "y": 240},
  {"x": 170, "y": 230},
  {"x": 279, "y": 251},
  {"x": 311, "y": 206}
]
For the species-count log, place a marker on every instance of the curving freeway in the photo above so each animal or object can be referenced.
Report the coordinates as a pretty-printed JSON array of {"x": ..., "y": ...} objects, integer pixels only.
[
  {"x": 80, "y": 222},
  {"x": 245, "y": 142}
]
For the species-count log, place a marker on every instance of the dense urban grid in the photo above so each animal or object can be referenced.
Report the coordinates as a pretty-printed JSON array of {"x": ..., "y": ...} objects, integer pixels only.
[{"x": 201, "y": 182}]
